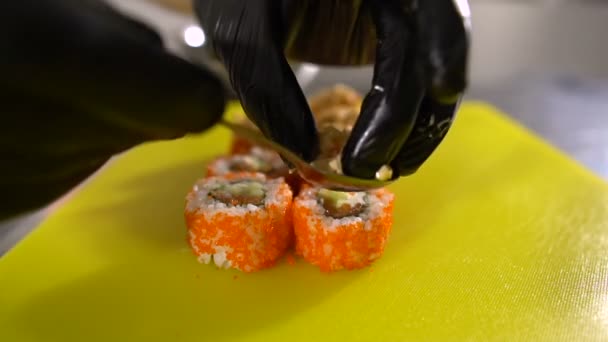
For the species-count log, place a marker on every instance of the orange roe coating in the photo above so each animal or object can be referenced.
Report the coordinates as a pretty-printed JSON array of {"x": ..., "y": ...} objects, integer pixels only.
[
  {"x": 348, "y": 246},
  {"x": 253, "y": 241}
]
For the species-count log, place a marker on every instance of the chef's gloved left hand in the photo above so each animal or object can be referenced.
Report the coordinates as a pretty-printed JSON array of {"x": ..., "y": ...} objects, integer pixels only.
[
  {"x": 420, "y": 48},
  {"x": 80, "y": 83}
]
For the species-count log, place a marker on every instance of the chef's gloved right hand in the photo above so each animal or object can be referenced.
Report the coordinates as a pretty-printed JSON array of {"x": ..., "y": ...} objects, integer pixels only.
[{"x": 420, "y": 48}]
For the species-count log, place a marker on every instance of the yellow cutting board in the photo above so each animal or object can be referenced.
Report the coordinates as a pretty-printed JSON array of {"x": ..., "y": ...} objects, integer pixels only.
[{"x": 498, "y": 237}]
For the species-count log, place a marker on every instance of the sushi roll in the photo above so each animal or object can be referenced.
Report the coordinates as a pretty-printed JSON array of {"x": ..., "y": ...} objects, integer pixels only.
[
  {"x": 342, "y": 230},
  {"x": 240, "y": 220},
  {"x": 257, "y": 160}
]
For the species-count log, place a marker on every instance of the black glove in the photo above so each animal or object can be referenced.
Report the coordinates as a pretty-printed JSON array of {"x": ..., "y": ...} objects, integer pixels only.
[
  {"x": 420, "y": 71},
  {"x": 79, "y": 84}
]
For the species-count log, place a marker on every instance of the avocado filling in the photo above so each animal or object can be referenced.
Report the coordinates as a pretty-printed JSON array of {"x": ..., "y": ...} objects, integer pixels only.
[
  {"x": 240, "y": 193},
  {"x": 339, "y": 204}
]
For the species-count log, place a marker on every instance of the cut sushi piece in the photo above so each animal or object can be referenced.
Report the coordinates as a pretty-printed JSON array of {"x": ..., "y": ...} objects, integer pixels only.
[
  {"x": 257, "y": 160},
  {"x": 342, "y": 230},
  {"x": 240, "y": 220}
]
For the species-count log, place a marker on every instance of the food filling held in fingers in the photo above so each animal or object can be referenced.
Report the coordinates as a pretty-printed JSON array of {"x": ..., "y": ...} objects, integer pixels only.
[
  {"x": 335, "y": 111},
  {"x": 342, "y": 230},
  {"x": 240, "y": 220},
  {"x": 338, "y": 106}
]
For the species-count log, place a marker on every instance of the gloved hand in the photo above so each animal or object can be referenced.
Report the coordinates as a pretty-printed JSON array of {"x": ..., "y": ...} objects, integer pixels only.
[
  {"x": 79, "y": 84},
  {"x": 420, "y": 70}
]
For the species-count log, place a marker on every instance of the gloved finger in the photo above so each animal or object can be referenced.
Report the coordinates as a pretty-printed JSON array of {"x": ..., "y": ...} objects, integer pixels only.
[
  {"x": 30, "y": 196},
  {"x": 246, "y": 36},
  {"x": 86, "y": 54},
  {"x": 49, "y": 147},
  {"x": 443, "y": 31},
  {"x": 389, "y": 110},
  {"x": 432, "y": 124}
]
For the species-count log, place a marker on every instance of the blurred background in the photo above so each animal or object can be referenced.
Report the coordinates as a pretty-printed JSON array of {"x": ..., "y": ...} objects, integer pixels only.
[{"x": 544, "y": 62}]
